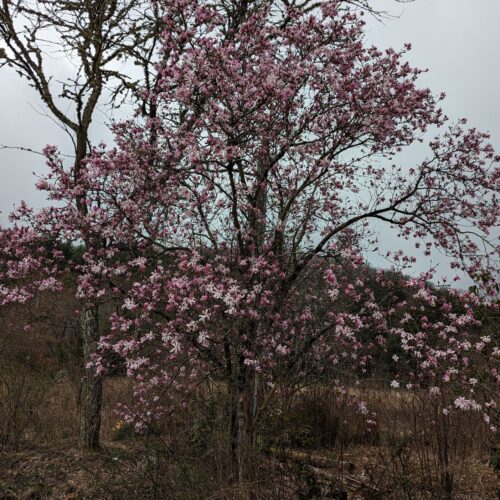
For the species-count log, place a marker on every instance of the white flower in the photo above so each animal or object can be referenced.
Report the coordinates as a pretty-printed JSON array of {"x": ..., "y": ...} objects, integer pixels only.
[
  {"x": 203, "y": 338},
  {"x": 176, "y": 345},
  {"x": 466, "y": 404},
  {"x": 282, "y": 350},
  {"x": 362, "y": 407},
  {"x": 394, "y": 384},
  {"x": 129, "y": 304}
]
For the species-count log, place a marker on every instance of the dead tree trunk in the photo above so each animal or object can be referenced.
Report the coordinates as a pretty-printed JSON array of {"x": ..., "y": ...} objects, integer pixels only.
[{"x": 91, "y": 384}]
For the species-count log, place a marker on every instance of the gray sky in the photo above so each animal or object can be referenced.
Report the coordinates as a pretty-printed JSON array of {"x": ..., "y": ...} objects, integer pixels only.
[{"x": 457, "y": 40}]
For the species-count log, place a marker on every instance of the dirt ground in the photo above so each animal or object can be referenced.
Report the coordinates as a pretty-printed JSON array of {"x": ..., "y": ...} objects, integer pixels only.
[
  {"x": 117, "y": 472},
  {"x": 68, "y": 473}
]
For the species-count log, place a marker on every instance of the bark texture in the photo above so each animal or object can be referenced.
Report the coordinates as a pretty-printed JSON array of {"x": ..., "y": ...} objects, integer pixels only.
[{"x": 91, "y": 384}]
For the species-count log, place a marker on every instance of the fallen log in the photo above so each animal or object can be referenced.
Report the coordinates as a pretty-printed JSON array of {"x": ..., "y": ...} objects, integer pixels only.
[
  {"x": 331, "y": 485},
  {"x": 314, "y": 459}
]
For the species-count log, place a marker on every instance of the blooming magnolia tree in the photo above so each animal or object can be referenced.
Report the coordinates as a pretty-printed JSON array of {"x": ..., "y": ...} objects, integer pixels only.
[{"x": 230, "y": 229}]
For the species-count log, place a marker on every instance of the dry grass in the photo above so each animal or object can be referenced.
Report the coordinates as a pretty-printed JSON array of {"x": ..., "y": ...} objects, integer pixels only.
[{"x": 187, "y": 456}]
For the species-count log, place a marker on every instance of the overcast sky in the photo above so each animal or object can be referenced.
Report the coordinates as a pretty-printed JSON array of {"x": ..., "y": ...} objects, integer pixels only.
[{"x": 457, "y": 40}]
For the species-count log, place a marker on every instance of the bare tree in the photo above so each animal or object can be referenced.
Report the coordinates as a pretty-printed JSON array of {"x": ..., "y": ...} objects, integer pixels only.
[{"x": 101, "y": 39}]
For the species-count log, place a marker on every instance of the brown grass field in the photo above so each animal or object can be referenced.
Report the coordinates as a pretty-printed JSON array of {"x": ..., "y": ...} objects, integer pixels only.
[{"x": 316, "y": 446}]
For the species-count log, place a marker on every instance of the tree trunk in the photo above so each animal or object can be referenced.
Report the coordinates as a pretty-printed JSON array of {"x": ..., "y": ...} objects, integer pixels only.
[
  {"x": 240, "y": 404},
  {"x": 91, "y": 384},
  {"x": 237, "y": 414},
  {"x": 90, "y": 400},
  {"x": 243, "y": 408}
]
